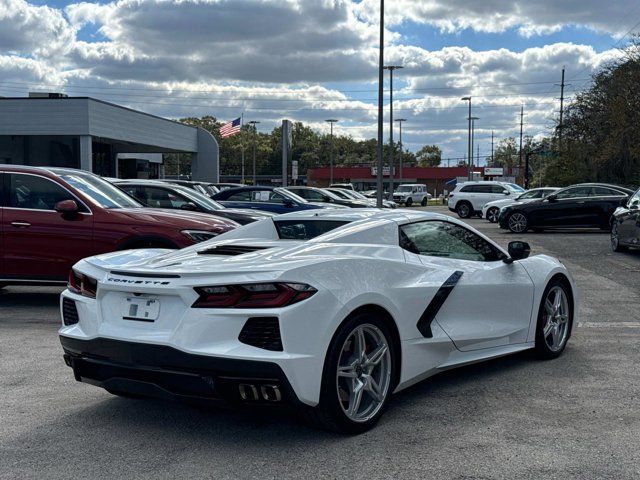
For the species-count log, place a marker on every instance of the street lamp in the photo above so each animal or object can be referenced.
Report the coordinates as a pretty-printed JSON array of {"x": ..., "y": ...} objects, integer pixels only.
[
  {"x": 473, "y": 132},
  {"x": 468, "y": 99},
  {"x": 379, "y": 185},
  {"x": 400, "y": 120},
  {"x": 391, "y": 69},
  {"x": 255, "y": 134},
  {"x": 331, "y": 121}
]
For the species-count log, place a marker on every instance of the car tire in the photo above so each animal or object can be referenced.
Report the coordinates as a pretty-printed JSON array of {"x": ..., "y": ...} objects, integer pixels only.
[
  {"x": 424, "y": 202},
  {"x": 615, "y": 239},
  {"x": 408, "y": 202},
  {"x": 555, "y": 319},
  {"x": 492, "y": 214},
  {"x": 517, "y": 222},
  {"x": 341, "y": 408},
  {"x": 464, "y": 209}
]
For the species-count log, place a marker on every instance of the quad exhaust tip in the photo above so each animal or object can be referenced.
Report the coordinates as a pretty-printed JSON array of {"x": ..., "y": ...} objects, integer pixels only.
[{"x": 251, "y": 393}]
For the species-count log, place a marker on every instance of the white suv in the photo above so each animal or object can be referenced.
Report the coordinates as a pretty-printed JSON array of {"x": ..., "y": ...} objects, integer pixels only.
[
  {"x": 410, "y": 193},
  {"x": 468, "y": 198}
]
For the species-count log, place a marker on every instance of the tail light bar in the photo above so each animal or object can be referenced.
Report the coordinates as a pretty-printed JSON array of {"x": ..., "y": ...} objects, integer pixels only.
[
  {"x": 253, "y": 295},
  {"x": 82, "y": 284}
]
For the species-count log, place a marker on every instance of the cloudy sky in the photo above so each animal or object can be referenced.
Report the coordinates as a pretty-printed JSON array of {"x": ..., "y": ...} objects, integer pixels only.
[{"x": 310, "y": 60}]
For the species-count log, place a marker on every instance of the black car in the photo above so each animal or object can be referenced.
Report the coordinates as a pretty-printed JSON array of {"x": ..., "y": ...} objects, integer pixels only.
[
  {"x": 583, "y": 205},
  {"x": 319, "y": 195},
  {"x": 625, "y": 228},
  {"x": 157, "y": 194}
]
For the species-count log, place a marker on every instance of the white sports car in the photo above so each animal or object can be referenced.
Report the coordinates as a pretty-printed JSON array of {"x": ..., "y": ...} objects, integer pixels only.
[{"x": 329, "y": 311}]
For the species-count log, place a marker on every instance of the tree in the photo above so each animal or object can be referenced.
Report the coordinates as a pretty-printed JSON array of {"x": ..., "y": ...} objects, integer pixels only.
[
  {"x": 429, "y": 156},
  {"x": 506, "y": 153}
]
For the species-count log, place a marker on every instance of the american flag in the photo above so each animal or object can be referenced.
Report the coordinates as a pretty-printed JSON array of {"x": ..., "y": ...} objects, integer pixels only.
[{"x": 231, "y": 128}]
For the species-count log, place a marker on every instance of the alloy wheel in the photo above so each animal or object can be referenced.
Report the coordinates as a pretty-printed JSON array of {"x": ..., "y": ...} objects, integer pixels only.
[
  {"x": 363, "y": 376},
  {"x": 493, "y": 214},
  {"x": 556, "y": 319},
  {"x": 463, "y": 210},
  {"x": 517, "y": 222},
  {"x": 615, "y": 237}
]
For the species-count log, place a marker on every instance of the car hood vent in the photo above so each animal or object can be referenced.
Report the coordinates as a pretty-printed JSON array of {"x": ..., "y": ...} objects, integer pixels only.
[{"x": 230, "y": 250}]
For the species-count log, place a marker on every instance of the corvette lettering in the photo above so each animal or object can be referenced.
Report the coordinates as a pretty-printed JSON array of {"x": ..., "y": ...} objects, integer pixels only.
[{"x": 136, "y": 282}]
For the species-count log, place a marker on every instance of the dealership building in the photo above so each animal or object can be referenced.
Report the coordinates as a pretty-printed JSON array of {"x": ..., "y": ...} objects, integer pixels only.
[{"x": 101, "y": 137}]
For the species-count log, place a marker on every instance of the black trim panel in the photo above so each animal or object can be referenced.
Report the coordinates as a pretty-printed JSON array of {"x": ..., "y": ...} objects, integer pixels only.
[
  {"x": 429, "y": 315},
  {"x": 165, "y": 372}
]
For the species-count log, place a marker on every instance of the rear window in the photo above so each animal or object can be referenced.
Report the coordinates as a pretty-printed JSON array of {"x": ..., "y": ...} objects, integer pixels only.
[{"x": 305, "y": 229}]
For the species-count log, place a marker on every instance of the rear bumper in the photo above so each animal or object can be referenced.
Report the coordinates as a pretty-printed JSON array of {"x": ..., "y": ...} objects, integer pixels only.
[{"x": 165, "y": 372}]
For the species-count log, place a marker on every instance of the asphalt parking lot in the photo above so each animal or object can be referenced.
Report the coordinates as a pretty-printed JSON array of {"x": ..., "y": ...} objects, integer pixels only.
[{"x": 516, "y": 417}]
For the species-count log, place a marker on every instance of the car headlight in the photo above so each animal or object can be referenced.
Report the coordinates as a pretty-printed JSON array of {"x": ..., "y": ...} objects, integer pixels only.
[{"x": 199, "y": 235}]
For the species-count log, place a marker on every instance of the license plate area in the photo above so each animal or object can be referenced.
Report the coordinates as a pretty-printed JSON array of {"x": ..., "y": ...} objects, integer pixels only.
[{"x": 141, "y": 309}]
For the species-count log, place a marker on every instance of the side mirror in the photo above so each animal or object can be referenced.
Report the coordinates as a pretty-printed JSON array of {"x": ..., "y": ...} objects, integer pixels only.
[
  {"x": 287, "y": 202},
  {"x": 625, "y": 202},
  {"x": 552, "y": 198},
  {"x": 506, "y": 192},
  {"x": 192, "y": 207},
  {"x": 67, "y": 207},
  {"x": 518, "y": 251}
]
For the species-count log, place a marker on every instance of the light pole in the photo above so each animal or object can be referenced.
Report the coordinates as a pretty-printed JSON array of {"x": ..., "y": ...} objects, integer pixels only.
[
  {"x": 379, "y": 185},
  {"x": 391, "y": 69},
  {"x": 400, "y": 120},
  {"x": 255, "y": 135},
  {"x": 473, "y": 133},
  {"x": 331, "y": 121},
  {"x": 470, "y": 148}
]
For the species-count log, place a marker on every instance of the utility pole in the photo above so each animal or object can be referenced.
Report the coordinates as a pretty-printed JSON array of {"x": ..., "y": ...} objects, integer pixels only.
[
  {"x": 379, "y": 184},
  {"x": 492, "y": 159},
  {"x": 560, "y": 125},
  {"x": 255, "y": 134},
  {"x": 242, "y": 145},
  {"x": 469, "y": 147},
  {"x": 521, "y": 129},
  {"x": 391, "y": 69},
  {"x": 331, "y": 121},
  {"x": 473, "y": 134},
  {"x": 478, "y": 154},
  {"x": 400, "y": 120}
]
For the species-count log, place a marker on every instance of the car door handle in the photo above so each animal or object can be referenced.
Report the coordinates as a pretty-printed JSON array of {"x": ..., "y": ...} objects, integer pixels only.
[{"x": 21, "y": 224}]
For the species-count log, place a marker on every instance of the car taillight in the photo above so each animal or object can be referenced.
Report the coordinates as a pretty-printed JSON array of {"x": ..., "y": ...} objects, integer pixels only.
[
  {"x": 82, "y": 284},
  {"x": 253, "y": 295}
]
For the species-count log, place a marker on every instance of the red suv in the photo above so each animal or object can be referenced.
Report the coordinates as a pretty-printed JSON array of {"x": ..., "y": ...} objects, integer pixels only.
[{"x": 52, "y": 217}]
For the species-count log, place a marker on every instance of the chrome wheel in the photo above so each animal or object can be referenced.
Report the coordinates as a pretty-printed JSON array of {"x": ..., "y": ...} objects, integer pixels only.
[
  {"x": 493, "y": 214},
  {"x": 556, "y": 319},
  {"x": 364, "y": 370},
  {"x": 517, "y": 222}
]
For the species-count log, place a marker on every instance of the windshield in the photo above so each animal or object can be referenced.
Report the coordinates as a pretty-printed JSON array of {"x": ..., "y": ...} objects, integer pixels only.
[
  {"x": 339, "y": 193},
  {"x": 515, "y": 188},
  {"x": 291, "y": 195},
  {"x": 199, "y": 198},
  {"x": 305, "y": 229},
  {"x": 530, "y": 194},
  {"x": 100, "y": 191},
  {"x": 405, "y": 188}
]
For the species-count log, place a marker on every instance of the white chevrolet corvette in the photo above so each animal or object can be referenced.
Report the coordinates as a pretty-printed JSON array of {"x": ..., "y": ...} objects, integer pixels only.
[{"x": 331, "y": 311}]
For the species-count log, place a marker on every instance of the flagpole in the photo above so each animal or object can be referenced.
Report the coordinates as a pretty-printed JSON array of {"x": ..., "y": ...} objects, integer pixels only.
[{"x": 242, "y": 145}]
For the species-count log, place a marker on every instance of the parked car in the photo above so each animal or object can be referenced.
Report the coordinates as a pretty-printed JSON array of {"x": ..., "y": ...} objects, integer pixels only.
[
  {"x": 409, "y": 193},
  {"x": 296, "y": 311},
  {"x": 206, "y": 188},
  {"x": 468, "y": 198},
  {"x": 271, "y": 199},
  {"x": 156, "y": 194},
  {"x": 491, "y": 211},
  {"x": 353, "y": 194},
  {"x": 345, "y": 186},
  {"x": 312, "y": 194},
  {"x": 584, "y": 205},
  {"x": 53, "y": 217},
  {"x": 224, "y": 186},
  {"x": 625, "y": 228}
]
